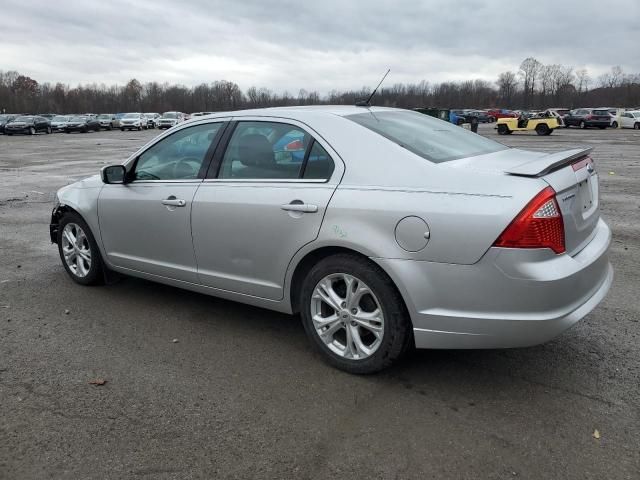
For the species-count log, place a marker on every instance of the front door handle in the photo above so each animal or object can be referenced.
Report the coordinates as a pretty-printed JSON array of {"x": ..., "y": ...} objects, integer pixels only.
[
  {"x": 174, "y": 202},
  {"x": 299, "y": 207}
]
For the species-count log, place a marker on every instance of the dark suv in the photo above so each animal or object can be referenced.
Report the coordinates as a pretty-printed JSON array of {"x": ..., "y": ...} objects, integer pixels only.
[{"x": 588, "y": 117}]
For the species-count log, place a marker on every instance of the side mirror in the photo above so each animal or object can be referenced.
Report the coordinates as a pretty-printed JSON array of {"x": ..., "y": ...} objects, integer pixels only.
[{"x": 113, "y": 174}]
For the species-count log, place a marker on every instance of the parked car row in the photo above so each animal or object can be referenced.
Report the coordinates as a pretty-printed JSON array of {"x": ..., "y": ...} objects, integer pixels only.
[{"x": 50, "y": 122}]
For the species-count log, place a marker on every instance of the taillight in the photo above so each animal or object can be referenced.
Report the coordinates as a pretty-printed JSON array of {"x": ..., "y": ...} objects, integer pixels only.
[
  {"x": 294, "y": 145},
  {"x": 589, "y": 117},
  {"x": 538, "y": 225}
]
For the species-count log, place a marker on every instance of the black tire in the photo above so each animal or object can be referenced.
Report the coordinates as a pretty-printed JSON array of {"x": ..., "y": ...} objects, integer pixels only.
[
  {"x": 614, "y": 125},
  {"x": 48, "y": 130},
  {"x": 32, "y": 131},
  {"x": 67, "y": 131},
  {"x": 110, "y": 127},
  {"x": 397, "y": 330},
  {"x": 140, "y": 128},
  {"x": 542, "y": 129},
  {"x": 10, "y": 134},
  {"x": 503, "y": 129},
  {"x": 582, "y": 124},
  {"x": 85, "y": 130},
  {"x": 95, "y": 276},
  {"x": 636, "y": 126},
  {"x": 602, "y": 127},
  {"x": 121, "y": 129}
]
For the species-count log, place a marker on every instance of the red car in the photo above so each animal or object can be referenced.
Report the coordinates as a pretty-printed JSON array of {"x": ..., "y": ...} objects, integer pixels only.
[{"x": 501, "y": 113}]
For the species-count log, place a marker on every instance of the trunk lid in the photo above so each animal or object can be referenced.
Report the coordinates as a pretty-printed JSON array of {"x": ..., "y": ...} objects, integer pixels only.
[{"x": 572, "y": 175}]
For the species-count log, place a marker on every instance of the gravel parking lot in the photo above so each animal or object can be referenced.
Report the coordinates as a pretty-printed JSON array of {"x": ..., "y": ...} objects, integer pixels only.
[{"x": 242, "y": 395}]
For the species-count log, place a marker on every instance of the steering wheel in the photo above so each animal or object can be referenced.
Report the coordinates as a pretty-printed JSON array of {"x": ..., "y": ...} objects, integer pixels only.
[{"x": 186, "y": 167}]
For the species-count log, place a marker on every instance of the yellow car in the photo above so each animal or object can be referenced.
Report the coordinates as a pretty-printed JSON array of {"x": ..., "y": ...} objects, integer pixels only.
[{"x": 542, "y": 125}]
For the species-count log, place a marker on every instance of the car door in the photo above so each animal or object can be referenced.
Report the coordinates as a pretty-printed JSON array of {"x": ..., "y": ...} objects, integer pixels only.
[
  {"x": 264, "y": 198},
  {"x": 626, "y": 120},
  {"x": 145, "y": 223}
]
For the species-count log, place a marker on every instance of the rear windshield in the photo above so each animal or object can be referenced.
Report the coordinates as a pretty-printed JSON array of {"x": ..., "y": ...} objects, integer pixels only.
[
  {"x": 169, "y": 115},
  {"x": 601, "y": 112},
  {"x": 433, "y": 139}
]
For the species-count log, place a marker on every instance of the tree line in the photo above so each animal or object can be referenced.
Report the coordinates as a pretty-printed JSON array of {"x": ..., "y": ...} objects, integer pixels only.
[{"x": 533, "y": 85}]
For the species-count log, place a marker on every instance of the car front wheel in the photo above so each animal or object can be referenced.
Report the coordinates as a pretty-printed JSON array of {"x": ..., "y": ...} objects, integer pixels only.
[
  {"x": 78, "y": 250},
  {"x": 354, "y": 315}
]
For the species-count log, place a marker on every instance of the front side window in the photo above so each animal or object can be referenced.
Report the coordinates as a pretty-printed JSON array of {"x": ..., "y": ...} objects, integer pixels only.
[
  {"x": 179, "y": 156},
  {"x": 428, "y": 137},
  {"x": 265, "y": 150}
]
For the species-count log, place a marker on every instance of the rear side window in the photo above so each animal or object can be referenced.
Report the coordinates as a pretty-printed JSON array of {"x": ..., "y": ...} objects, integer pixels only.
[
  {"x": 319, "y": 164},
  {"x": 601, "y": 112},
  {"x": 433, "y": 139}
]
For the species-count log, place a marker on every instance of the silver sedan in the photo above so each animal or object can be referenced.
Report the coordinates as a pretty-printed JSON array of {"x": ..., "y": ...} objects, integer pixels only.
[{"x": 383, "y": 228}]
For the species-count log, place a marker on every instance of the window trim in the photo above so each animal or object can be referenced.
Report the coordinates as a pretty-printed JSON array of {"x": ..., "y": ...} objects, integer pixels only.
[{"x": 206, "y": 161}]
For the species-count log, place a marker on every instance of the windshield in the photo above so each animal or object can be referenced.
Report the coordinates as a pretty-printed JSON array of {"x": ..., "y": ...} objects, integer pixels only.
[
  {"x": 636, "y": 114},
  {"x": 170, "y": 115},
  {"x": 132, "y": 115},
  {"x": 59, "y": 118},
  {"x": 78, "y": 119},
  {"x": 23, "y": 119},
  {"x": 433, "y": 139},
  {"x": 104, "y": 115}
]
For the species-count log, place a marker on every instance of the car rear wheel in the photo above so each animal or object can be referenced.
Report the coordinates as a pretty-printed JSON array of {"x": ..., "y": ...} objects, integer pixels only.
[
  {"x": 121, "y": 129},
  {"x": 614, "y": 125},
  {"x": 354, "y": 315},
  {"x": 78, "y": 250},
  {"x": 48, "y": 130},
  {"x": 582, "y": 124},
  {"x": 636, "y": 126},
  {"x": 543, "y": 129},
  {"x": 32, "y": 131}
]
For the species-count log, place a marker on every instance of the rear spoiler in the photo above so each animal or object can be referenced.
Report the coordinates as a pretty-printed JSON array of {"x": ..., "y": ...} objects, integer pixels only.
[{"x": 548, "y": 163}]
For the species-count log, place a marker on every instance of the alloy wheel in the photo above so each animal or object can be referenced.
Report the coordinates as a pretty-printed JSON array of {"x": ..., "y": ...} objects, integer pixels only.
[
  {"x": 347, "y": 316},
  {"x": 76, "y": 249}
]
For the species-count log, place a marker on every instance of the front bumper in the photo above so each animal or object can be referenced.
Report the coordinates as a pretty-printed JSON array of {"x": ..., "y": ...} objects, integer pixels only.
[
  {"x": 510, "y": 298},
  {"x": 17, "y": 130}
]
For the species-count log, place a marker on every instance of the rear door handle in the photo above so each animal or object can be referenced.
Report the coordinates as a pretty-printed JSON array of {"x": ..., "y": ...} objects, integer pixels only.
[
  {"x": 174, "y": 202},
  {"x": 299, "y": 207}
]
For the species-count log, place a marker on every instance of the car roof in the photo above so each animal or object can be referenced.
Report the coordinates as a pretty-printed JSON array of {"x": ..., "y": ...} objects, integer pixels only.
[{"x": 303, "y": 112}]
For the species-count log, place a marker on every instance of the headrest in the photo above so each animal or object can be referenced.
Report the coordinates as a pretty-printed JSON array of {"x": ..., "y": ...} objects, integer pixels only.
[{"x": 255, "y": 151}]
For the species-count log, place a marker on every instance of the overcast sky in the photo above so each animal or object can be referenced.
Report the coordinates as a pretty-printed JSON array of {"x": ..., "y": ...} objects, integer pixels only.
[{"x": 313, "y": 44}]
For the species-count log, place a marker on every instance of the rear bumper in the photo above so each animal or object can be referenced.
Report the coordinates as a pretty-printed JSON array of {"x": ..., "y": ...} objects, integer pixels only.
[{"x": 510, "y": 298}]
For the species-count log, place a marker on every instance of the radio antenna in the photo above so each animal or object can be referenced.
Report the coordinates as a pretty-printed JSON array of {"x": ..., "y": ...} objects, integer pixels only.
[{"x": 366, "y": 103}]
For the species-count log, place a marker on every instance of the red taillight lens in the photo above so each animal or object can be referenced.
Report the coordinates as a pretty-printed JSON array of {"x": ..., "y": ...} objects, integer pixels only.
[
  {"x": 294, "y": 145},
  {"x": 538, "y": 225}
]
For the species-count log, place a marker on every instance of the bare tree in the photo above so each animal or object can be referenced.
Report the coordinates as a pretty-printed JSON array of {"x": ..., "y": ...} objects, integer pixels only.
[
  {"x": 529, "y": 72},
  {"x": 507, "y": 86}
]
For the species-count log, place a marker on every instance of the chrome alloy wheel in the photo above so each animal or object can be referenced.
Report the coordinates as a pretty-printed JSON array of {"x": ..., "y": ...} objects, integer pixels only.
[
  {"x": 76, "y": 249},
  {"x": 347, "y": 316}
]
